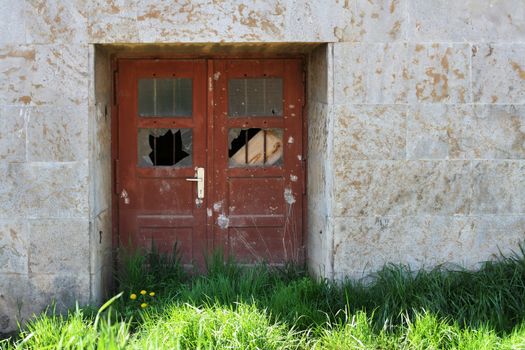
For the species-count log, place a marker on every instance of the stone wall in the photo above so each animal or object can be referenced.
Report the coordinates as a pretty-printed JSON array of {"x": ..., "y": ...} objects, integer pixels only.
[{"x": 416, "y": 130}]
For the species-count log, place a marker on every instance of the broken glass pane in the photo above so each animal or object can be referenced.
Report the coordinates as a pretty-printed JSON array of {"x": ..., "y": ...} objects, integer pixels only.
[
  {"x": 255, "y": 147},
  {"x": 164, "y": 147},
  {"x": 255, "y": 97},
  {"x": 165, "y": 97}
]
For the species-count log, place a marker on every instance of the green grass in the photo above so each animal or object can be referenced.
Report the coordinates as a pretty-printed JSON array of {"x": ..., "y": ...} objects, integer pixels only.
[{"x": 234, "y": 307}]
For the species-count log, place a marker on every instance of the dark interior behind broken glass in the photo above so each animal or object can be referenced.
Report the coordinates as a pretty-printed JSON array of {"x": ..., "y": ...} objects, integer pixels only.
[{"x": 164, "y": 147}]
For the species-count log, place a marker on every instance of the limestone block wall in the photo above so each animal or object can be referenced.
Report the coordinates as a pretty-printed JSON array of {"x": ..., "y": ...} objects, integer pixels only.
[
  {"x": 416, "y": 132},
  {"x": 429, "y": 137}
]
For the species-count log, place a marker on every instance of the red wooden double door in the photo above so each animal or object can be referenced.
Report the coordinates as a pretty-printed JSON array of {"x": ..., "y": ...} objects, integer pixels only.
[{"x": 209, "y": 154}]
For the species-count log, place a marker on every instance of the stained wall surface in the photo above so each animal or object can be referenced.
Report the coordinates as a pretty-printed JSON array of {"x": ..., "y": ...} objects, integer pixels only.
[{"x": 416, "y": 131}]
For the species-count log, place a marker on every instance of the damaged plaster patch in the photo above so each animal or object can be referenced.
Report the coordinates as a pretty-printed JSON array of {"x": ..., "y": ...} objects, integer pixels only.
[
  {"x": 209, "y": 212},
  {"x": 291, "y": 140},
  {"x": 288, "y": 196},
  {"x": 293, "y": 178},
  {"x": 217, "y": 206},
  {"x": 223, "y": 221},
  {"x": 216, "y": 76}
]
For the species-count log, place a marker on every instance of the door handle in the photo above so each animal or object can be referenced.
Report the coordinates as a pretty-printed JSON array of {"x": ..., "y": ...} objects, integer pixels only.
[{"x": 199, "y": 179}]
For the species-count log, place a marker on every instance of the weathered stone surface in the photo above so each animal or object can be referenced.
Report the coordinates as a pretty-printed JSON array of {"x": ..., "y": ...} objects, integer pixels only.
[
  {"x": 15, "y": 306},
  {"x": 56, "y": 21},
  {"x": 365, "y": 245},
  {"x": 112, "y": 21},
  {"x": 57, "y": 134},
  {"x": 467, "y": 20},
  {"x": 247, "y": 21},
  {"x": 315, "y": 21},
  {"x": 17, "y": 65},
  {"x": 466, "y": 132},
  {"x": 36, "y": 190},
  {"x": 13, "y": 246},
  {"x": 12, "y": 22},
  {"x": 498, "y": 187},
  {"x": 63, "y": 290},
  {"x": 373, "y": 21},
  {"x": 371, "y": 73},
  {"x": 101, "y": 242},
  {"x": 369, "y": 132},
  {"x": 401, "y": 73},
  {"x": 47, "y": 253},
  {"x": 319, "y": 184},
  {"x": 318, "y": 76},
  {"x": 13, "y": 133},
  {"x": 61, "y": 75},
  {"x": 378, "y": 188},
  {"x": 441, "y": 73},
  {"x": 200, "y": 21},
  {"x": 498, "y": 73}
]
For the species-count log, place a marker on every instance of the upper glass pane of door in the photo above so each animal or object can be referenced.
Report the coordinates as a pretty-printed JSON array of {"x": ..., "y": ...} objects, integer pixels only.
[
  {"x": 166, "y": 97},
  {"x": 255, "y": 97}
]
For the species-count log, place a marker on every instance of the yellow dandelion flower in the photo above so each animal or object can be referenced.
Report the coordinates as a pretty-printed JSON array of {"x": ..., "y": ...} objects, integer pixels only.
[
  {"x": 143, "y": 292},
  {"x": 143, "y": 305},
  {"x": 133, "y": 296},
  {"x": 151, "y": 294}
]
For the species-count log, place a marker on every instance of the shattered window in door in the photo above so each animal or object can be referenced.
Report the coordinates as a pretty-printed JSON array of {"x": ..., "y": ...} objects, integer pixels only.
[
  {"x": 165, "y": 97},
  {"x": 255, "y": 147},
  {"x": 164, "y": 147},
  {"x": 255, "y": 97}
]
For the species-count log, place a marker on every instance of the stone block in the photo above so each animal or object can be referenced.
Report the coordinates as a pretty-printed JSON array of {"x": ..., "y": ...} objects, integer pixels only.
[
  {"x": 12, "y": 22},
  {"x": 468, "y": 20},
  {"x": 365, "y": 245},
  {"x": 59, "y": 246},
  {"x": 63, "y": 290},
  {"x": 112, "y": 21},
  {"x": 14, "y": 235},
  {"x": 61, "y": 75},
  {"x": 315, "y": 21},
  {"x": 495, "y": 235},
  {"x": 40, "y": 190},
  {"x": 466, "y": 132},
  {"x": 369, "y": 132},
  {"x": 13, "y": 133},
  {"x": 498, "y": 187},
  {"x": 15, "y": 306},
  {"x": 440, "y": 73},
  {"x": 371, "y": 73},
  {"x": 381, "y": 188},
  {"x": 50, "y": 22},
  {"x": 58, "y": 134},
  {"x": 498, "y": 73},
  {"x": 202, "y": 21},
  {"x": 374, "y": 21},
  {"x": 17, "y": 66}
]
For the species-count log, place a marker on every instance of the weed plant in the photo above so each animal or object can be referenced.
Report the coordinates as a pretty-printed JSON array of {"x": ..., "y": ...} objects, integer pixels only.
[{"x": 262, "y": 307}]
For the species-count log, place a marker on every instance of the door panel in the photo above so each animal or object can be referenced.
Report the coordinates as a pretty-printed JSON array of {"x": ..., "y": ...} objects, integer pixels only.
[
  {"x": 258, "y": 181},
  {"x": 241, "y": 122},
  {"x": 162, "y": 138}
]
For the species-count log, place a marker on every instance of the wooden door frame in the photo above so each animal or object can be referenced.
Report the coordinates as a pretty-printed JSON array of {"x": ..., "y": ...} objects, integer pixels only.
[{"x": 114, "y": 59}]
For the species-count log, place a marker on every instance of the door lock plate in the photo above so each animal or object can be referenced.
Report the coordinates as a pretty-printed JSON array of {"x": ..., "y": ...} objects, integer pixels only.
[{"x": 199, "y": 179}]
